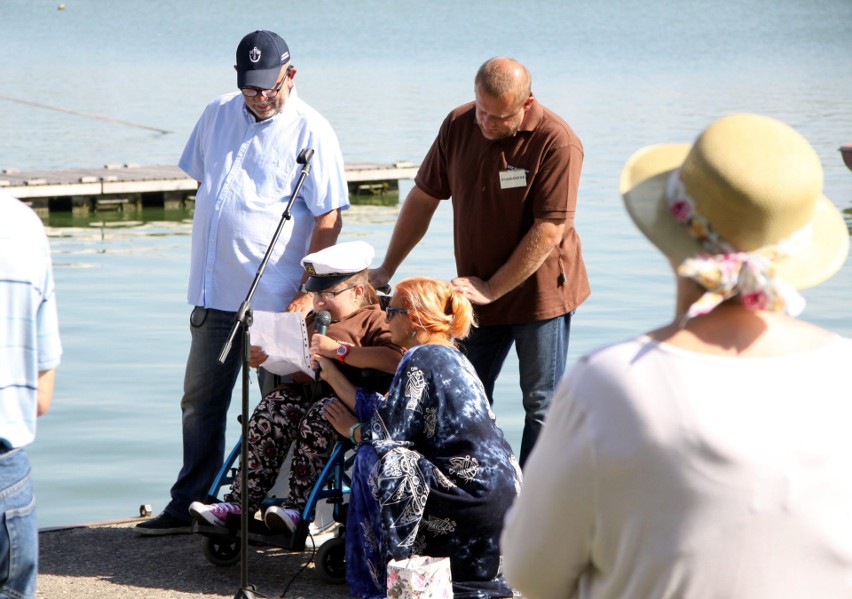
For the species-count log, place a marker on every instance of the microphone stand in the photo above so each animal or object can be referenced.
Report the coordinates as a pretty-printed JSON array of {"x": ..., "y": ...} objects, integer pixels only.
[{"x": 242, "y": 322}]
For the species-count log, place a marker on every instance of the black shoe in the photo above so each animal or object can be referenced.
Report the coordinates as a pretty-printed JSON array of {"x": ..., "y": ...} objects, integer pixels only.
[{"x": 164, "y": 524}]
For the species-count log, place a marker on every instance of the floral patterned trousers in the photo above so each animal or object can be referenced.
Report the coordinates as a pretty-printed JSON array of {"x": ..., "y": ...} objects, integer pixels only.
[{"x": 282, "y": 417}]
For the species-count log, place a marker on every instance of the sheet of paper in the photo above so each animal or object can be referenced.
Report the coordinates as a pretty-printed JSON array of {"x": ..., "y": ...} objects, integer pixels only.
[{"x": 284, "y": 338}]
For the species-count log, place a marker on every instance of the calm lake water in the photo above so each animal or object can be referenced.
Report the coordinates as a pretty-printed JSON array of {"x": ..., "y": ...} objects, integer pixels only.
[{"x": 90, "y": 85}]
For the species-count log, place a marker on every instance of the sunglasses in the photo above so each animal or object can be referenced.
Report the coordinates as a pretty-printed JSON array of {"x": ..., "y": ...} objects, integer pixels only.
[{"x": 391, "y": 312}]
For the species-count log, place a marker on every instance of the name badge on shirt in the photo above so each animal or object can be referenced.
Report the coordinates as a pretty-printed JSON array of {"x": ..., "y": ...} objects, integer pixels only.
[{"x": 514, "y": 177}]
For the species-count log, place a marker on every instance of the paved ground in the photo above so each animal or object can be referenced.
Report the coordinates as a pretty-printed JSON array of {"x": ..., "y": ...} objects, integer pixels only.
[{"x": 111, "y": 560}]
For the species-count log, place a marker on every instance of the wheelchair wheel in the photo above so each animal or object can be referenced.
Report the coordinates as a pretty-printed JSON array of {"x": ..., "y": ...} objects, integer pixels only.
[
  {"x": 221, "y": 551},
  {"x": 331, "y": 560}
]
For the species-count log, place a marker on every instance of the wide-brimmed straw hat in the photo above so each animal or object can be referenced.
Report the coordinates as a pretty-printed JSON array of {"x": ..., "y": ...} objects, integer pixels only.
[{"x": 756, "y": 181}]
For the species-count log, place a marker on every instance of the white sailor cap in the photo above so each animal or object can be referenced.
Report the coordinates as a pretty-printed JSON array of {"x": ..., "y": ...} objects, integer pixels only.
[{"x": 337, "y": 263}]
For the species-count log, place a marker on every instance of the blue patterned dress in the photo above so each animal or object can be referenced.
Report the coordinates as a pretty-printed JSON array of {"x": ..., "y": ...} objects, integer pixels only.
[{"x": 433, "y": 476}]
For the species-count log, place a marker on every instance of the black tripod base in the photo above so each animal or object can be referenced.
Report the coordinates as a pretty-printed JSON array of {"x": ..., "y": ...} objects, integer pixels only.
[{"x": 249, "y": 592}]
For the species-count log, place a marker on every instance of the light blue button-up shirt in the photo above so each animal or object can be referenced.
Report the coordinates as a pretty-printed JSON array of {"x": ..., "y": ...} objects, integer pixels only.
[
  {"x": 29, "y": 329},
  {"x": 247, "y": 171}
]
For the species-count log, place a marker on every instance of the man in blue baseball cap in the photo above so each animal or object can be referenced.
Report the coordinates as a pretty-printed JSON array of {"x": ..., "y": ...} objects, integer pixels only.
[
  {"x": 243, "y": 153},
  {"x": 264, "y": 73}
]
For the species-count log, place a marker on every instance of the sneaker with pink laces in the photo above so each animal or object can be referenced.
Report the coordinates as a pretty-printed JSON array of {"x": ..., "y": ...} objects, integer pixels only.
[
  {"x": 214, "y": 514},
  {"x": 280, "y": 518}
]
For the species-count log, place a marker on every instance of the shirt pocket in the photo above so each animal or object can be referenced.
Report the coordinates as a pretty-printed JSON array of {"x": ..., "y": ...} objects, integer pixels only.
[{"x": 272, "y": 177}]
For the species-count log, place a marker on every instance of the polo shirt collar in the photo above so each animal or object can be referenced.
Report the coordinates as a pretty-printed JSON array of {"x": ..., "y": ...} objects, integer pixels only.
[{"x": 533, "y": 117}]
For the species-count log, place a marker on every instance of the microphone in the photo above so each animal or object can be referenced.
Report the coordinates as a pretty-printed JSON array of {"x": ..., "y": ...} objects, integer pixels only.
[
  {"x": 305, "y": 156},
  {"x": 323, "y": 320}
]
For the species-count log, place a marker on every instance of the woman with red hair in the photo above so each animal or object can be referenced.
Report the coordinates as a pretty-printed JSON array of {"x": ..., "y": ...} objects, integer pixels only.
[{"x": 434, "y": 475}]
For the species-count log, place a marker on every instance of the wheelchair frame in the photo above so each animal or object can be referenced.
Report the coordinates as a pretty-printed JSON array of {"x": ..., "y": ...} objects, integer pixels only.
[{"x": 221, "y": 546}]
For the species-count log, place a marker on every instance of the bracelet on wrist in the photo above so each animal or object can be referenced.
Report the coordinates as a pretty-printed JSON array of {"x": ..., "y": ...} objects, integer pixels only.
[{"x": 352, "y": 430}]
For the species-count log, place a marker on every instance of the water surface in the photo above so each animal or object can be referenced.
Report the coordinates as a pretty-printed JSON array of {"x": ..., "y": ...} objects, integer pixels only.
[{"x": 624, "y": 73}]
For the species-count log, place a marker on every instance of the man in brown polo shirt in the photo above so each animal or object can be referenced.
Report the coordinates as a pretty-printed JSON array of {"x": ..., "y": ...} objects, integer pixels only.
[{"x": 512, "y": 168}]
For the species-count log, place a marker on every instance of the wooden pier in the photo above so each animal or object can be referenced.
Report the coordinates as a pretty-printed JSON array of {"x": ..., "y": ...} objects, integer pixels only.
[{"x": 114, "y": 185}]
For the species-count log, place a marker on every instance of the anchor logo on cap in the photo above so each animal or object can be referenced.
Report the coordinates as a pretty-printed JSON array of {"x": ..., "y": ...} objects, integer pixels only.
[{"x": 254, "y": 54}]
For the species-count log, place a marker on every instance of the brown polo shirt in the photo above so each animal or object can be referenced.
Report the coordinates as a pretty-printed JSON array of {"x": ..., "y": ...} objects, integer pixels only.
[{"x": 490, "y": 217}]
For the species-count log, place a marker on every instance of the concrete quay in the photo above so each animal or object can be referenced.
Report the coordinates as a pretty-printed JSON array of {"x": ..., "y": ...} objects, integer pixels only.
[{"x": 110, "y": 560}]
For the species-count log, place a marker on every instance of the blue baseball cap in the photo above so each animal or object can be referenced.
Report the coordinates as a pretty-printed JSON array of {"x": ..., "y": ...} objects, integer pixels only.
[{"x": 260, "y": 56}]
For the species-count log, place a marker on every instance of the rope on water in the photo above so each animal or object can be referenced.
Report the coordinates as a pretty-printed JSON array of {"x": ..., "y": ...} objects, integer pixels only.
[{"x": 84, "y": 114}]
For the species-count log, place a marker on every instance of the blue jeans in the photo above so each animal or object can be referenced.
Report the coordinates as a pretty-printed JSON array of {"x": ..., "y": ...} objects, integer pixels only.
[
  {"x": 542, "y": 349},
  {"x": 19, "y": 532},
  {"x": 207, "y": 389}
]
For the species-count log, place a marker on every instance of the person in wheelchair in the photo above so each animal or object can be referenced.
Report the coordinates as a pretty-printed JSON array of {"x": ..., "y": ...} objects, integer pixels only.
[
  {"x": 359, "y": 340},
  {"x": 434, "y": 474}
]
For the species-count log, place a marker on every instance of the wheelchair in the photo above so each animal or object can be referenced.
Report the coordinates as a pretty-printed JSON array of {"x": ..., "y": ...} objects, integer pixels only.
[{"x": 324, "y": 511}]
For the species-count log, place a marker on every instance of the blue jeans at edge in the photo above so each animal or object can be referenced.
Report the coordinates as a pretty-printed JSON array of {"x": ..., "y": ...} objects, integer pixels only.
[
  {"x": 19, "y": 531},
  {"x": 542, "y": 350},
  {"x": 207, "y": 389}
]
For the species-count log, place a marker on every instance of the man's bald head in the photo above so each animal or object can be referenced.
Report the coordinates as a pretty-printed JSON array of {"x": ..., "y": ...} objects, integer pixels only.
[{"x": 502, "y": 76}]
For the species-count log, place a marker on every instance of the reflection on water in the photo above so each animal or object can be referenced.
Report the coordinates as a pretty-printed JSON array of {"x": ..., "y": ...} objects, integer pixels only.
[
  {"x": 847, "y": 214},
  {"x": 382, "y": 206},
  {"x": 129, "y": 216}
]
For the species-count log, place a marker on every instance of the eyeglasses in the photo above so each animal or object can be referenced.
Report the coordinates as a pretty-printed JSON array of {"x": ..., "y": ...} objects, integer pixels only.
[
  {"x": 391, "y": 312},
  {"x": 250, "y": 92},
  {"x": 327, "y": 295}
]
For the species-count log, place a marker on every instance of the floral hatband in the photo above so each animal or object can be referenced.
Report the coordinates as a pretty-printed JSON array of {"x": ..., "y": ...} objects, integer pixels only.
[{"x": 725, "y": 272}]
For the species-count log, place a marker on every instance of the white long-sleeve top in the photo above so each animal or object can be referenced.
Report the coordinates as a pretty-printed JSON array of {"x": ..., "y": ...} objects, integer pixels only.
[{"x": 665, "y": 473}]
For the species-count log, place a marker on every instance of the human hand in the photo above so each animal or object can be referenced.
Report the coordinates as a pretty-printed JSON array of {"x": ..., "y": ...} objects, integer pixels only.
[
  {"x": 330, "y": 373},
  {"x": 324, "y": 345},
  {"x": 301, "y": 302},
  {"x": 328, "y": 368},
  {"x": 256, "y": 356},
  {"x": 474, "y": 289},
  {"x": 379, "y": 277},
  {"x": 339, "y": 416}
]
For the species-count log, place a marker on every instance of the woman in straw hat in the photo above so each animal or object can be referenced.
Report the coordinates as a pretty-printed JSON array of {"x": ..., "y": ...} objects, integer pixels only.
[{"x": 710, "y": 457}]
